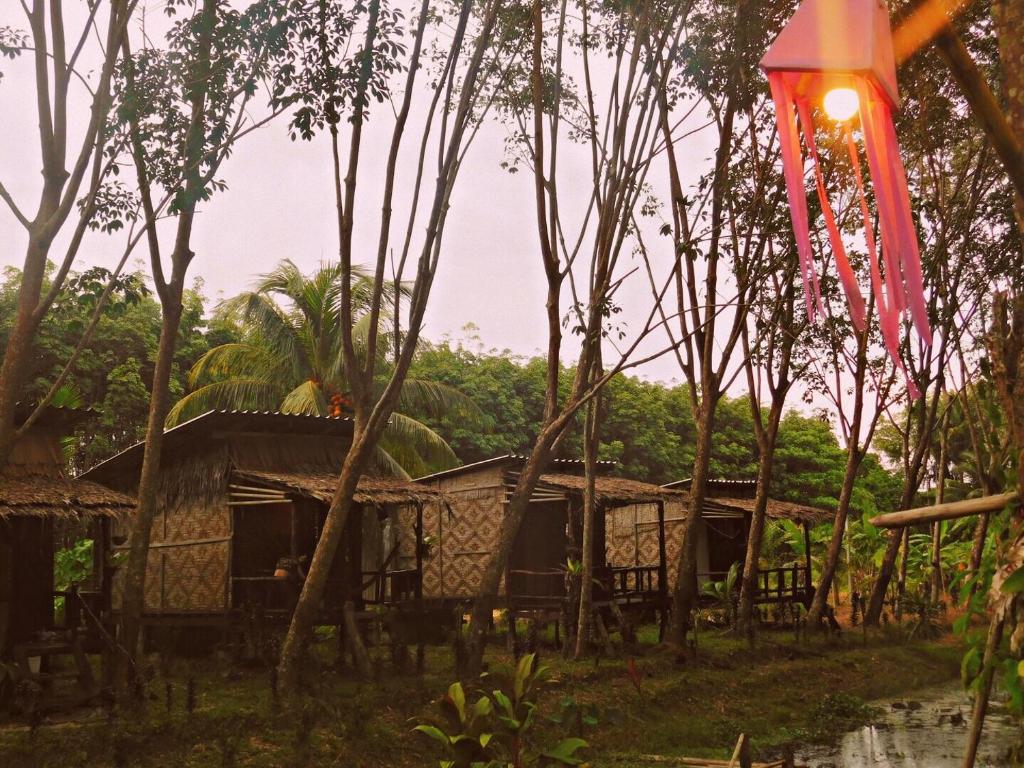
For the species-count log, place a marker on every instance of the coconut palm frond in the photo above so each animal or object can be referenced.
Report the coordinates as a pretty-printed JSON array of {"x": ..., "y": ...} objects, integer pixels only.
[
  {"x": 384, "y": 465},
  {"x": 271, "y": 327},
  {"x": 439, "y": 400},
  {"x": 308, "y": 398},
  {"x": 406, "y": 455},
  {"x": 237, "y": 360},
  {"x": 231, "y": 394},
  {"x": 429, "y": 445}
]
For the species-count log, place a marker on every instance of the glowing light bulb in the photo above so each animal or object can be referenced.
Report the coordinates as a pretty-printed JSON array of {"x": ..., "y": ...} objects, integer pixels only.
[{"x": 841, "y": 104}]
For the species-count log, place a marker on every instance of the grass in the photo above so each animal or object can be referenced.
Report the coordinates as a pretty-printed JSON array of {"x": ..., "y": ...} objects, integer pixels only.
[{"x": 780, "y": 691}]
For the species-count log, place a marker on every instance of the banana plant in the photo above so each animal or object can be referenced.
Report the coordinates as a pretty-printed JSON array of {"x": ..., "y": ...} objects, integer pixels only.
[{"x": 725, "y": 592}]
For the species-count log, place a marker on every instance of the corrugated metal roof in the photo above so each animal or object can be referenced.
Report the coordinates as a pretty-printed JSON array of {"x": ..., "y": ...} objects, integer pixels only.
[
  {"x": 511, "y": 458},
  {"x": 370, "y": 490},
  {"x": 272, "y": 422}
]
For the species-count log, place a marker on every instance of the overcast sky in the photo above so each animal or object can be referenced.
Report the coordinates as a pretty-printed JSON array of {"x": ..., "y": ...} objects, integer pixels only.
[{"x": 280, "y": 204}]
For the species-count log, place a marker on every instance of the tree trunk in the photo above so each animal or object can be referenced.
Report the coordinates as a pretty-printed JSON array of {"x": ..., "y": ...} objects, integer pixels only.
[
  {"x": 940, "y": 497},
  {"x": 901, "y": 581},
  {"x": 984, "y": 690},
  {"x": 308, "y": 606},
  {"x": 684, "y": 598},
  {"x": 876, "y": 602},
  {"x": 19, "y": 342},
  {"x": 134, "y": 594},
  {"x": 510, "y": 524},
  {"x": 748, "y": 585},
  {"x": 978, "y": 542},
  {"x": 835, "y": 545},
  {"x": 590, "y": 510}
]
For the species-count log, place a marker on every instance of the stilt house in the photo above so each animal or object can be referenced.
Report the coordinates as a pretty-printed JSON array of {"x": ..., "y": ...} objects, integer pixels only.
[
  {"x": 464, "y": 536},
  {"x": 722, "y": 532},
  {"x": 41, "y": 509},
  {"x": 242, "y": 499}
]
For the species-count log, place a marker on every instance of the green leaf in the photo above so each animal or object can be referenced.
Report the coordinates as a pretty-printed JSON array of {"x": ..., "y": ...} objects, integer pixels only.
[
  {"x": 483, "y": 707},
  {"x": 504, "y": 702},
  {"x": 522, "y": 675},
  {"x": 566, "y": 750},
  {"x": 970, "y": 665},
  {"x": 435, "y": 733},
  {"x": 1014, "y": 583},
  {"x": 458, "y": 698}
]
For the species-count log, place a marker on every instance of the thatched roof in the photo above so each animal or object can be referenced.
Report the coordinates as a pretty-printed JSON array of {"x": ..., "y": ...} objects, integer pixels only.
[
  {"x": 776, "y": 510},
  {"x": 611, "y": 491},
  {"x": 40, "y": 496},
  {"x": 373, "y": 491}
]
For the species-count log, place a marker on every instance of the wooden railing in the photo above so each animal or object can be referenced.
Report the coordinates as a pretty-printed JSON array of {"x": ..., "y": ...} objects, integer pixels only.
[
  {"x": 391, "y": 587},
  {"x": 628, "y": 584},
  {"x": 536, "y": 586},
  {"x": 774, "y": 585},
  {"x": 270, "y": 594},
  {"x": 624, "y": 584},
  {"x": 782, "y": 585}
]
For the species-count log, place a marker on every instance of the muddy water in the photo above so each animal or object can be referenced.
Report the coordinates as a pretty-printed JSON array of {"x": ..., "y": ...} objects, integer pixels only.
[{"x": 928, "y": 730}]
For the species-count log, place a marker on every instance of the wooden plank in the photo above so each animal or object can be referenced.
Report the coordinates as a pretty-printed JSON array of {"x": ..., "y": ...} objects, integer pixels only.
[{"x": 950, "y": 511}]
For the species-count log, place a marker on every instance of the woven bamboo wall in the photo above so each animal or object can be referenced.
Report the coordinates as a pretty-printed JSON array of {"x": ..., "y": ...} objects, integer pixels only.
[
  {"x": 464, "y": 539},
  {"x": 632, "y": 537},
  {"x": 189, "y": 559}
]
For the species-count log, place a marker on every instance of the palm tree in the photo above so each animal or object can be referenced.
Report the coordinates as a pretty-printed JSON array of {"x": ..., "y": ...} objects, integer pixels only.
[{"x": 289, "y": 359}]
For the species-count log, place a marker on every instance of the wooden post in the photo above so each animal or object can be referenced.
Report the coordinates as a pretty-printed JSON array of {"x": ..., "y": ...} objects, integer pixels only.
[
  {"x": 420, "y": 650},
  {"x": 807, "y": 553},
  {"x": 293, "y": 549},
  {"x": 419, "y": 555},
  {"x": 662, "y": 572}
]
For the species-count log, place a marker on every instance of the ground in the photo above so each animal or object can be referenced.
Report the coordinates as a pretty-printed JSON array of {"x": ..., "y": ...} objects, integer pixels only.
[{"x": 782, "y": 690}]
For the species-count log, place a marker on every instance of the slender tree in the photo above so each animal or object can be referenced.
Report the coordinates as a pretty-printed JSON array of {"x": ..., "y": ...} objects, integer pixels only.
[
  {"x": 621, "y": 141},
  {"x": 331, "y": 87},
  {"x": 180, "y": 111},
  {"x": 711, "y": 314},
  {"x": 72, "y": 178}
]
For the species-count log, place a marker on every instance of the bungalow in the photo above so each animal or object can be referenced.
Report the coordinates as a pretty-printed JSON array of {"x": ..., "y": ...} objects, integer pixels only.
[
  {"x": 722, "y": 532},
  {"x": 464, "y": 535},
  {"x": 242, "y": 498},
  {"x": 41, "y": 507}
]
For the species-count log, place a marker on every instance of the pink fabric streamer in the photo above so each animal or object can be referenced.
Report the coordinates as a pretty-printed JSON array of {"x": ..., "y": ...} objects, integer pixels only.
[
  {"x": 792, "y": 166},
  {"x": 901, "y": 286},
  {"x": 888, "y": 316},
  {"x": 858, "y": 312}
]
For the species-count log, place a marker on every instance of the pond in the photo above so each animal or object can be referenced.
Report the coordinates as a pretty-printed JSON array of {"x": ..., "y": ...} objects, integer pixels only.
[{"x": 928, "y": 730}]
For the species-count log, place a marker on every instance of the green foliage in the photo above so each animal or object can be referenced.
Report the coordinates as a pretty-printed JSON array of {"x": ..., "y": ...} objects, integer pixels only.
[
  {"x": 71, "y": 565},
  {"x": 113, "y": 373},
  {"x": 289, "y": 357},
  {"x": 497, "y": 730},
  {"x": 725, "y": 593}
]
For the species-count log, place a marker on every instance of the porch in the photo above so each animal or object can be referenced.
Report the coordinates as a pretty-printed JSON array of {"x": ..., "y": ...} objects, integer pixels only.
[{"x": 543, "y": 567}]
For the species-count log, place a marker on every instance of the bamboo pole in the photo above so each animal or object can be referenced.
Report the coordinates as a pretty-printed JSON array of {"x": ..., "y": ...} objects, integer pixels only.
[{"x": 950, "y": 511}]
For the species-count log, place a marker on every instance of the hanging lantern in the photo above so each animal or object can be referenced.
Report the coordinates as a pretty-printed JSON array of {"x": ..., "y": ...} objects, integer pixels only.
[{"x": 836, "y": 55}]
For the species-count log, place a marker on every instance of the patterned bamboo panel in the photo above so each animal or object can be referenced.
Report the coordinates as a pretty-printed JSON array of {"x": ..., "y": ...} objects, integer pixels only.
[
  {"x": 193, "y": 519},
  {"x": 432, "y": 566},
  {"x": 632, "y": 536},
  {"x": 469, "y": 537},
  {"x": 195, "y": 578}
]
